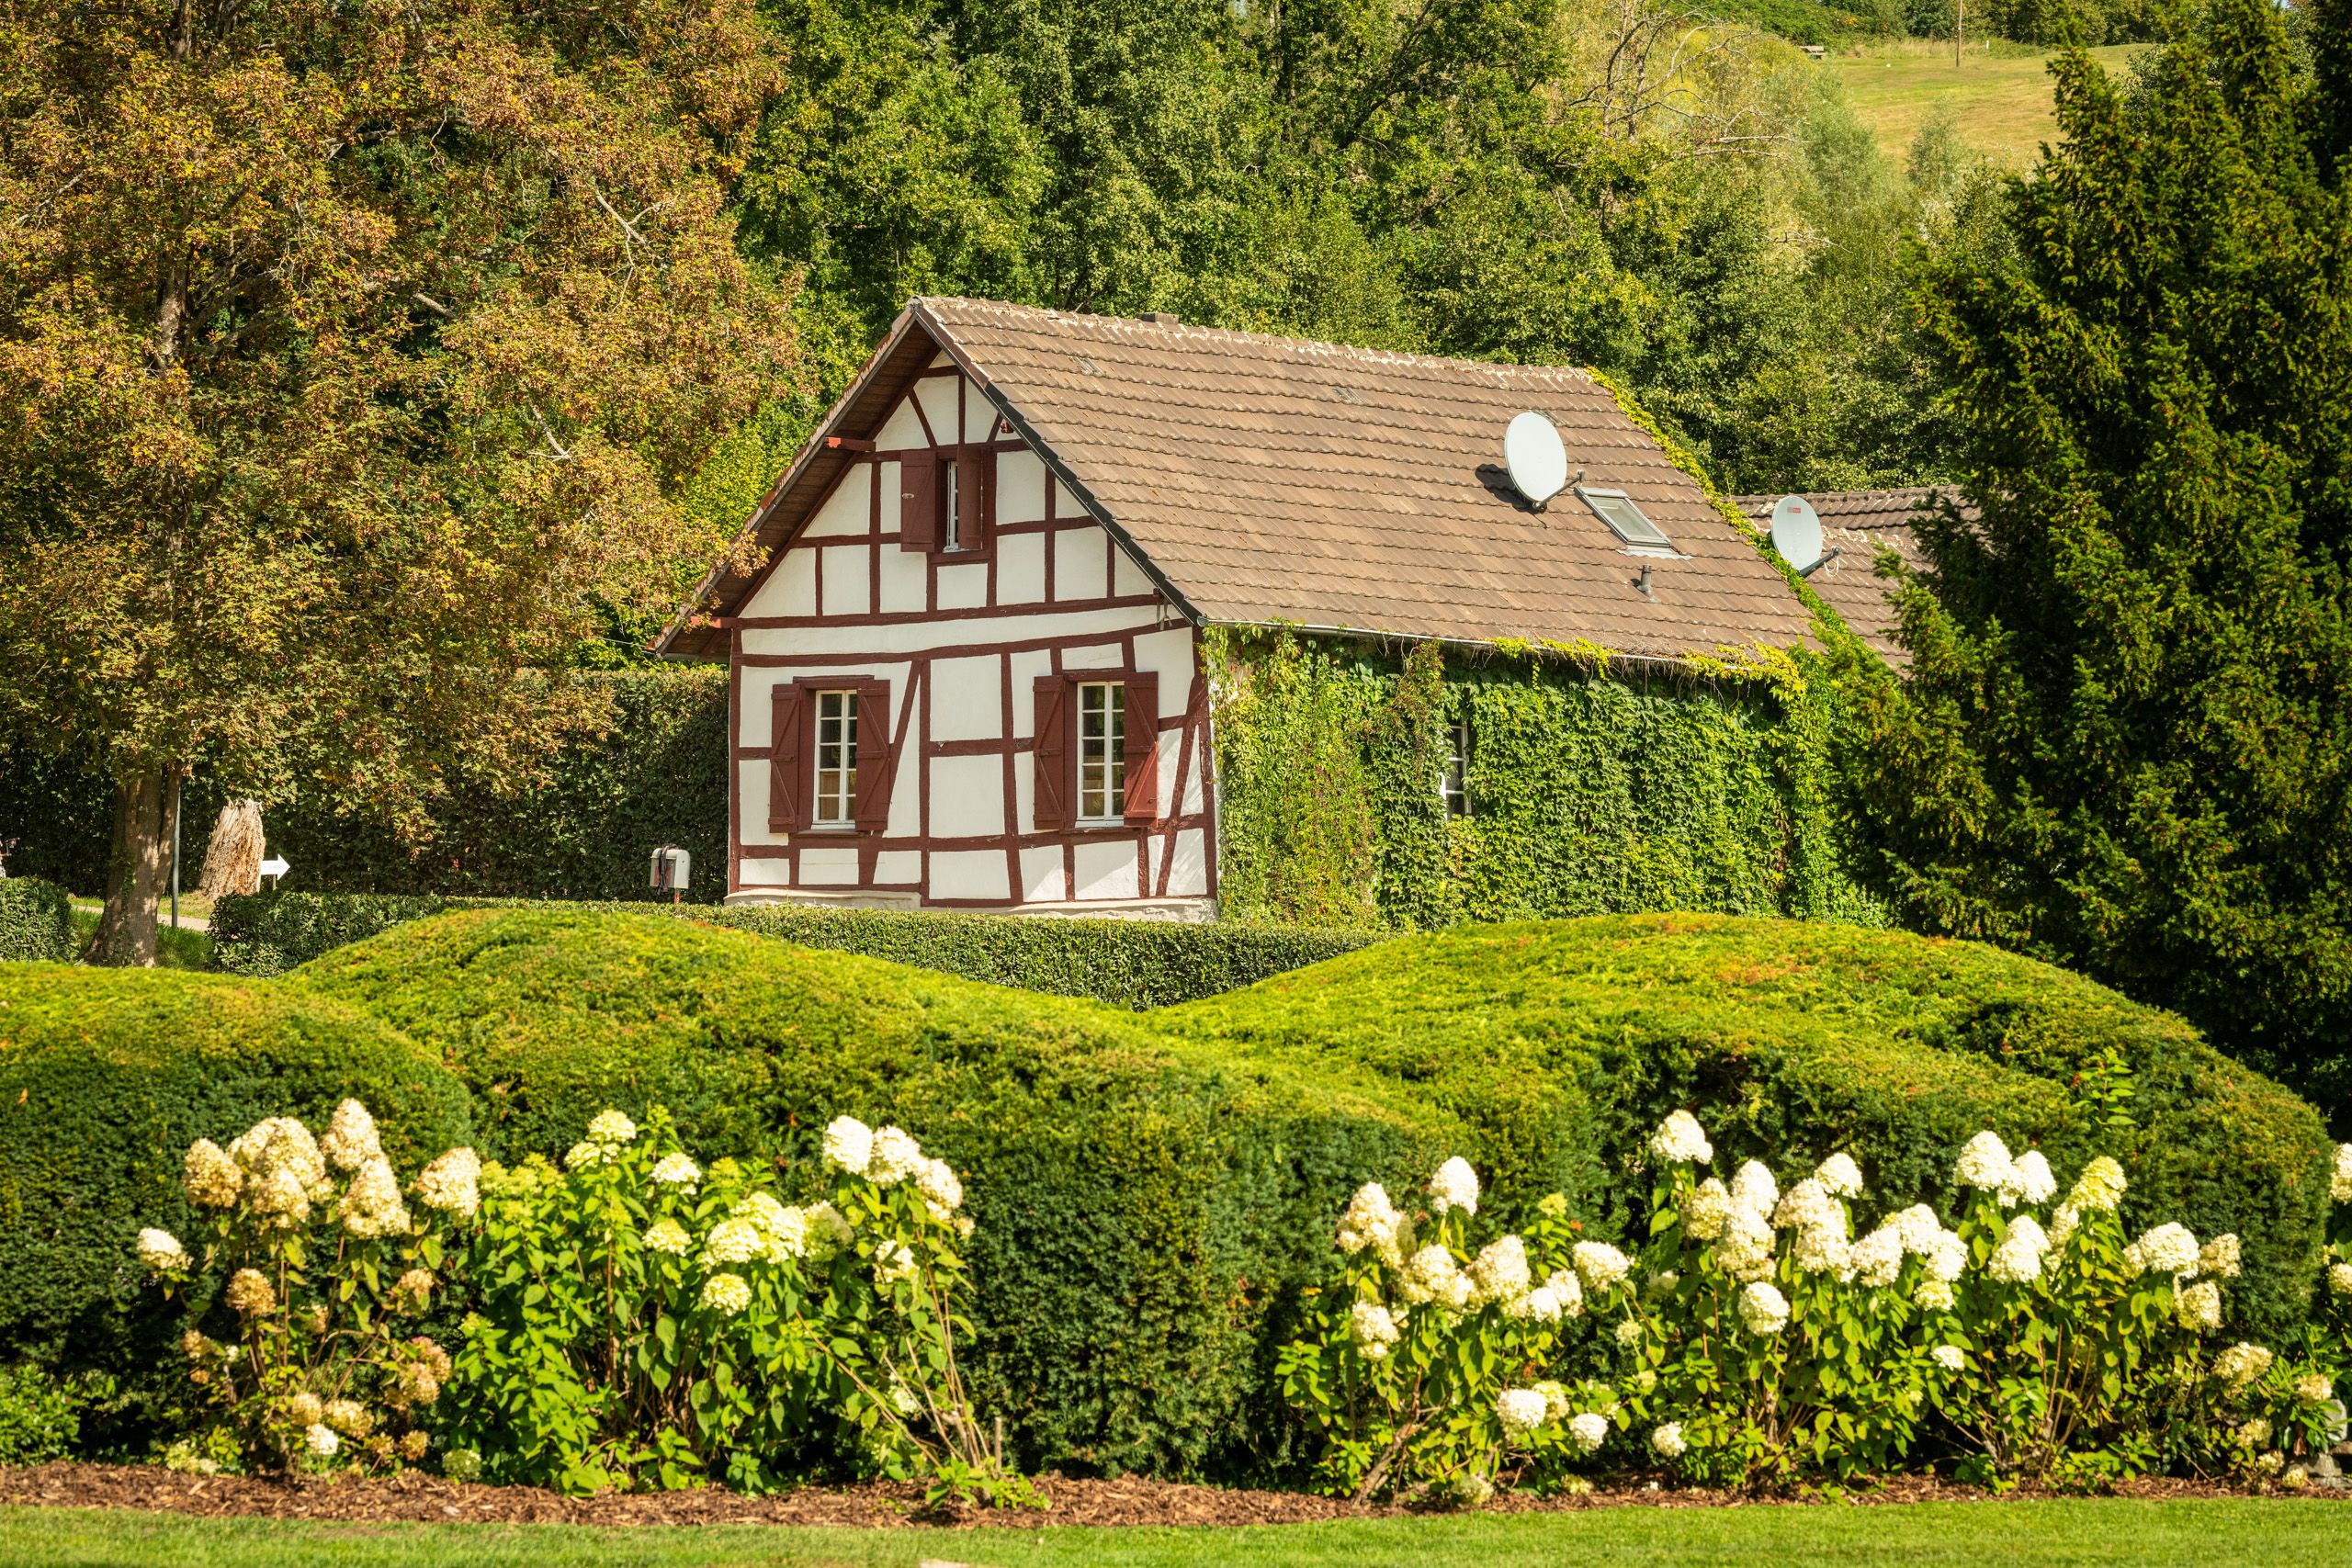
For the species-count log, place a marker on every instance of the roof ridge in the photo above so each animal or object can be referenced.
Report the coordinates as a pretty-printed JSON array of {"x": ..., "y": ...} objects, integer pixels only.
[{"x": 1322, "y": 346}]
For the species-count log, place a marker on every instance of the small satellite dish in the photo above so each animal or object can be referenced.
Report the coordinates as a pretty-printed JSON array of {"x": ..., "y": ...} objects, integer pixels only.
[
  {"x": 1538, "y": 463},
  {"x": 1796, "y": 532}
]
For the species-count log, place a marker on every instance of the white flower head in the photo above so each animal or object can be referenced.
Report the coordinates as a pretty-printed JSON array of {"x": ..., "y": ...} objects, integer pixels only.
[
  {"x": 587, "y": 1155},
  {"x": 2167, "y": 1249},
  {"x": 1679, "y": 1140},
  {"x": 1877, "y": 1259},
  {"x": 1935, "y": 1294},
  {"x": 1600, "y": 1265},
  {"x": 2061, "y": 1225},
  {"x": 2339, "y": 1182},
  {"x": 1373, "y": 1329},
  {"x": 896, "y": 1156},
  {"x": 1668, "y": 1440},
  {"x": 2314, "y": 1388},
  {"x": 2018, "y": 1259},
  {"x": 726, "y": 1295},
  {"x": 1946, "y": 1255},
  {"x": 162, "y": 1252},
  {"x": 2339, "y": 1281},
  {"x": 280, "y": 1145},
  {"x": 1588, "y": 1431},
  {"x": 320, "y": 1439},
  {"x": 1455, "y": 1186},
  {"x": 209, "y": 1177},
  {"x": 894, "y": 1263},
  {"x": 1745, "y": 1249},
  {"x": 2099, "y": 1188},
  {"x": 371, "y": 1205},
  {"x": 612, "y": 1129},
  {"x": 676, "y": 1169},
  {"x": 668, "y": 1236},
  {"x": 1370, "y": 1220},
  {"x": 1918, "y": 1227},
  {"x": 1541, "y": 1304},
  {"x": 848, "y": 1145},
  {"x": 348, "y": 1417},
  {"x": 452, "y": 1183},
  {"x": 250, "y": 1292},
  {"x": 1520, "y": 1410},
  {"x": 1807, "y": 1206},
  {"x": 1752, "y": 1187},
  {"x": 733, "y": 1241},
  {"x": 1839, "y": 1175},
  {"x": 2197, "y": 1307},
  {"x": 2241, "y": 1365},
  {"x": 1985, "y": 1163},
  {"x": 1706, "y": 1210},
  {"x": 1430, "y": 1275},
  {"x": 829, "y": 1232},
  {"x": 1499, "y": 1272},
  {"x": 350, "y": 1140},
  {"x": 1763, "y": 1311},
  {"x": 1823, "y": 1249},
  {"x": 2218, "y": 1258},
  {"x": 1629, "y": 1332},
  {"x": 2031, "y": 1181},
  {"x": 1950, "y": 1358},
  {"x": 937, "y": 1182}
]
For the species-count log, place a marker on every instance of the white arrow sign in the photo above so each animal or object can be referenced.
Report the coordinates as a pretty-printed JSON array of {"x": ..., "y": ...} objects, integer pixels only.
[{"x": 274, "y": 866}]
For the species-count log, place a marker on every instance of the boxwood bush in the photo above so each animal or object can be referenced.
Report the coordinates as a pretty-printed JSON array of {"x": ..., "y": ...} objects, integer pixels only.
[
  {"x": 1147, "y": 1208},
  {"x": 1803, "y": 1037},
  {"x": 36, "y": 919},
  {"x": 107, "y": 1075},
  {"x": 1136, "y": 964}
]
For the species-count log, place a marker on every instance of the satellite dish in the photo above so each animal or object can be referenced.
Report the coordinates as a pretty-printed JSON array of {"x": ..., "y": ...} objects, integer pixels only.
[
  {"x": 1796, "y": 532},
  {"x": 1538, "y": 463}
]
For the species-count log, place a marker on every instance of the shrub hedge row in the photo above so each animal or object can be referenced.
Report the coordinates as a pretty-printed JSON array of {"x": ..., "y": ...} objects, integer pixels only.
[
  {"x": 1136, "y": 964},
  {"x": 36, "y": 919},
  {"x": 1152, "y": 1192}
]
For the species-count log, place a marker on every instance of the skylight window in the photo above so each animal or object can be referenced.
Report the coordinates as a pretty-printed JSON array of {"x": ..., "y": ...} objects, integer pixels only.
[{"x": 1615, "y": 508}]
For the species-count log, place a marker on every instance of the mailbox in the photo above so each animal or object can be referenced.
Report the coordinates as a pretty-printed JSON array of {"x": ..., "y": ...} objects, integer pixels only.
[{"x": 672, "y": 866}]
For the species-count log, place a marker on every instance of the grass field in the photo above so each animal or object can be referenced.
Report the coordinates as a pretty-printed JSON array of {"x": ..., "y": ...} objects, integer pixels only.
[
  {"x": 2236, "y": 1534},
  {"x": 2001, "y": 93},
  {"x": 175, "y": 949}
]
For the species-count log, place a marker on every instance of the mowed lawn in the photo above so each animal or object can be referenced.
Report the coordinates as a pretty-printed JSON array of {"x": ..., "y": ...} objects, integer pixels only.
[
  {"x": 2001, "y": 94},
  {"x": 2042, "y": 1534}
]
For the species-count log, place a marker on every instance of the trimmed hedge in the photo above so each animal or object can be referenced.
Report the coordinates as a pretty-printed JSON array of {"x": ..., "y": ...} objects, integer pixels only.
[
  {"x": 1136, "y": 964},
  {"x": 1147, "y": 1208},
  {"x": 36, "y": 920},
  {"x": 1796, "y": 1038},
  {"x": 107, "y": 1075}
]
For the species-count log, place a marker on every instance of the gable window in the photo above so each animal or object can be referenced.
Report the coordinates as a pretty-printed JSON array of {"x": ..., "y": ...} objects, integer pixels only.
[
  {"x": 1101, "y": 750},
  {"x": 836, "y": 799},
  {"x": 953, "y": 523},
  {"x": 1453, "y": 784}
]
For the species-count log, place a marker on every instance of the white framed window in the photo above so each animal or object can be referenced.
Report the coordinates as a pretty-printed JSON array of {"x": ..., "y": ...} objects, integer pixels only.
[
  {"x": 1101, "y": 751},
  {"x": 950, "y": 486},
  {"x": 1453, "y": 784},
  {"x": 836, "y": 801}
]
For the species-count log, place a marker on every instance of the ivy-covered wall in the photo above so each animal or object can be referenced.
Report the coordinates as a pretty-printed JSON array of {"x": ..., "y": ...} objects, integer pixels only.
[{"x": 1592, "y": 788}]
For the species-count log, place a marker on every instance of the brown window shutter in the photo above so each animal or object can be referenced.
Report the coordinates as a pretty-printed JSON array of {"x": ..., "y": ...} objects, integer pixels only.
[
  {"x": 975, "y": 496},
  {"x": 872, "y": 806},
  {"x": 787, "y": 745},
  {"x": 1143, "y": 749},
  {"x": 919, "y": 501},
  {"x": 1056, "y": 774}
]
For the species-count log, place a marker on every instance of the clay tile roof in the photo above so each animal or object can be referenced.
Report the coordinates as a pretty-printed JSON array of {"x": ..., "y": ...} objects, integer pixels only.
[
  {"x": 1857, "y": 523},
  {"x": 1270, "y": 480}
]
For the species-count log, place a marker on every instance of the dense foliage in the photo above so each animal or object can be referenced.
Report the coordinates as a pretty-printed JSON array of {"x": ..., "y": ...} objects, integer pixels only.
[
  {"x": 2125, "y": 741},
  {"x": 36, "y": 919}
]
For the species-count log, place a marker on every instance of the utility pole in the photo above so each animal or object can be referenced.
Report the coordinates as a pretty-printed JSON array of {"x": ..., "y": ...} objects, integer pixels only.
[
  {"x": 175, "y": 851},
  {"x": 1958, "y": 30}
]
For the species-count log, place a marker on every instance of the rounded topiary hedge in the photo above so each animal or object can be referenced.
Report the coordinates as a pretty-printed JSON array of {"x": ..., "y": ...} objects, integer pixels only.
[
  {"x": 1146, "y": 1208},
  {"x": 108, "y": 1075},
  {"x": 1565, "y": 1042}
]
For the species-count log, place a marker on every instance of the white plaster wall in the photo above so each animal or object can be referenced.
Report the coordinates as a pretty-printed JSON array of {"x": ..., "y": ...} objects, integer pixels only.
[
  {"x": 966, "y": 796},
  {"x": 1020, "y": 486},
  {"x": 1101, "y": 656},
  {"x": 970, "y": 873},
  {"x": 906, "y": 581},
  {"x": 901, "y": 431},
  {"x": 899, "y": 868},
  {"x": 1126, "y": 578},
  {"x": 751, "y": 871},
  {"x": 848, "y": 511},
  {"x": 1106, "y": 870},
  {"x": 1020, "y": 568},
  {"x": 828, "y": 865},
  {"x": 1078, "y": 562},
  {"x": 979, "y": 416},
  {"x": 1042, "y": 881},
  {"x": 752, "y": 800},
  {"x": 964, "y": 587},
  {"x": 966, "y": 699},
  {"x": 945, "y": 631},
  {"x": 847, "y": 581},
  {"x": 789, "y": 590},
  {"x": 937, "y": 395},
  {"x": 1189, "y": 877}
]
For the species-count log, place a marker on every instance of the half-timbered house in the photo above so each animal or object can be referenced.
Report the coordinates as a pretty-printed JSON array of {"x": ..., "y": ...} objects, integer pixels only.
[{"x": 968, "y": 669}]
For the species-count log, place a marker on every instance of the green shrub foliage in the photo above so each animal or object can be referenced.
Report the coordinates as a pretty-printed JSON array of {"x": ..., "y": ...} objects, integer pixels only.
[
  {"x": 1136, "y": 964},
  {"x": 1145, "y": 1208},
  {"x": 108, "y": 1076},
  {"x": 1562, "y": 1043},
  {"x": 36, "y": 919}
]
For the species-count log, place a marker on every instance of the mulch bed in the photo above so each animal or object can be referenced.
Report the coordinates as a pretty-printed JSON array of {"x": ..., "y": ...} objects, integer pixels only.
[{"x": 420, "y": 1498}]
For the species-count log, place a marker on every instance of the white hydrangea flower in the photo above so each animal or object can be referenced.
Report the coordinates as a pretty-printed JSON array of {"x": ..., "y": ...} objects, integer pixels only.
[
  {"x": 1839, "y": 1175},
  {"x": 1369, "y": 1220},
  {"x": 282, "y": 1143},
  {"x": 1706, "y": 1210},
  {"x": 1629, "y": 1332},
  {"x": 2099, "y": 1188},
  {"x": 1950, "y": 1358},
  {"x": 1985, "y": 1164},
  {"x": 1600, "y": 1265},
  {"x": 586, "y": 1156},
  {"x": 305, "y": 1408},
  {"x": 1520, "y": 1410},
  {"x": 2218, "y": 1258},
  {"x": 1499, "y": 1272},
  {"x": 2241, "y": 1364},
  {"x": 1918, "y": 1227},
  {"x": 726, "y": 1295},
  {"x": 2339, "y": 1279},
  {"x": 668, "y": 1236},
  {"x": 1679, "y": 1140},
  {"x": 1375, "y": 1330},
  {"x": 2167, "y": 1249},
  {"x": 2017, "y": 1260},
  {"x": 2255, "y": 1433},
  {"x": 896, "y": 1156},
  {"x": 1947, "y": 1255},
  {"x": 1752, "y": 1187},
  {"x": 162, "y": 1252},
  {"x": 2031, "y": 1181},
  {"x": 1455, "y": 1186},
  {"x": 937, "y": 1182},
  {"x": 1808, "y": 1205},
  {"x": 1662, "y": 1284},
  {"x": 848, "y": 1145},
  {"x": 733, "y": 1241},
  {"x": 249, "y": 1291},
  {"x": 1877, "y": 1259},
  {"x": 894, "y": 1263},
  {"x": 1936, "y": 1295},
  {"x": 2314, "y": 1388},
  {"x": 320, "y": 1439},
  {"x": 1668, "y": 1442},
  {"x": 348, "y": 1417},
  {"x": 1564, "y": 1289},
  {"x": 1431, "y": 1275},
  {"x": 610, "y": 1127},
  {"x": 676, "y": 1168},
  {"x": 2061, "y": 1225},
  {"x": 209, "y": 1178},
  {"x": 371, "y": 1205},
  {"x": 2339, "y": 1184},
  {"x": 784, "y": 1233},
  {"x": 827, "y": 1231},
  {"x": 1541, "y": 1304},
  {"x": 1823, "y": 1249},
  {"x": 1587, "y": 1432},
  {"x": 1762, "y": 1309},
  {"x": 2197, "y": 1307},
  {"x": 452, "y": 1183},
  {"x": 1745, "y": 1249},
  {"x": 351, "y": 1139},
  {"x": 1555, "y": 1398}
]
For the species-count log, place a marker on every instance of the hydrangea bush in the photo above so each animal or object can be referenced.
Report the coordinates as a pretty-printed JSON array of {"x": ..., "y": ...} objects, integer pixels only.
[{"x": 314, "y": 1363}]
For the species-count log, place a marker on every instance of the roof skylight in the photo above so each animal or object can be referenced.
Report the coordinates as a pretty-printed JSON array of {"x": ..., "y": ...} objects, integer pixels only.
[{"x": 1616, "y": 508}]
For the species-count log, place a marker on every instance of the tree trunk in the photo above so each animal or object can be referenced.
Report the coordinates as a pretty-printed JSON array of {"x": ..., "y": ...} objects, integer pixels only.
[{"x": 135, "y": 876}]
